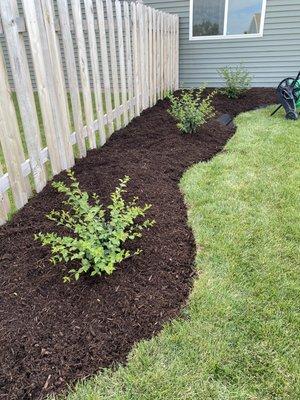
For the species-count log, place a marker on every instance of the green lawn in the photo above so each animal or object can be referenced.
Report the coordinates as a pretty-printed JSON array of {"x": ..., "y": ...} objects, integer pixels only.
[{"x": 239, "y": 336}]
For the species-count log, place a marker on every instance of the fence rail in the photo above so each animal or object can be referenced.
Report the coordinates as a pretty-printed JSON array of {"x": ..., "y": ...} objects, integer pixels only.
[{"x": 97, "y": 64}]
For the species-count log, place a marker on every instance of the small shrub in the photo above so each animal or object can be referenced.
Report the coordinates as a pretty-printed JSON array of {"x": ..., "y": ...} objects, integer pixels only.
[
  {"x": 237, "y": 80},
  {"x": 97, "y": 234},
  {"x": 191, "y": 110}
]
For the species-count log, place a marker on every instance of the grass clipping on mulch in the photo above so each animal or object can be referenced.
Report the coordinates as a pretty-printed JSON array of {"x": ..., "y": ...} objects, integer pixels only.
[{"x": 240, "y": 338}]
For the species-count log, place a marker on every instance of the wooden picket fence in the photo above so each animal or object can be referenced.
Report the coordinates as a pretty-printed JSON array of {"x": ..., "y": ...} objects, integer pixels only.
[{"x": 97, "y": 64}]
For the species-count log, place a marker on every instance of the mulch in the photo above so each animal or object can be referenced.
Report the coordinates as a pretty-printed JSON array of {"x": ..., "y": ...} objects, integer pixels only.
[{"x": 51, "y": 333}]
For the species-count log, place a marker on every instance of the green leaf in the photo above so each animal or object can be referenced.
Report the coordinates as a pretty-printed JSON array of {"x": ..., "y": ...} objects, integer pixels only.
[{"x": 97, "y": 235}]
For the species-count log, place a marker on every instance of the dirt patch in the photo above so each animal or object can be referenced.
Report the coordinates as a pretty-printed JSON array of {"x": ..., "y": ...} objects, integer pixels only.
[{"x": 53, "y": 334}]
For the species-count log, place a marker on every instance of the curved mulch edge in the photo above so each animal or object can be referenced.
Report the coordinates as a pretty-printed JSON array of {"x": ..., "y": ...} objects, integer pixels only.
[{"x": 53, "y": 334}]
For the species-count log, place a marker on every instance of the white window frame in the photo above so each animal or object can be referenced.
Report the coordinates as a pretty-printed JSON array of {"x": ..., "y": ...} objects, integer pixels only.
[{"x": 224, "y": 36}]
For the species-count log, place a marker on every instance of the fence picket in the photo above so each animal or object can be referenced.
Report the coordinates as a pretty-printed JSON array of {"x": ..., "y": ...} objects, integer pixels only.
[
  {"x": 166, "y": 50},
  {"x": 172, "y": 53},
  {"x": 122, "y": 60},
  {"x": 65, "y": 29},
  {"x": 169, "y": 47},
  {"x": 165, "y": 56},
  {"x": 174, "y": 50},
  {"x": 136, "y": 58},
  {"x": 4, "y": 203},
  {"x": 45, "y": 85},
  {"x": 162, "y": 45},
  {"x": 10, "y": 141},
  {"x": 150, "y": 55},
  {"x": 175, "y": 53},
  {"x": 154, "y": 57},
  {"x": 128, "y": 57},
  {"x": 113, "y": 56},
  {"x": 84, "y": 72},
  {"x": 146, "y": 54},
  {"x": 23, "y": 87},
  {"x": 105, "y": 65},
  {"x": 89, "y": 12},
  {"x": 176, "y": 60},
  {"x": 141, "y": 53},
  {"x": 158, "y": 52},
  {"x": 56, "y": 77}
]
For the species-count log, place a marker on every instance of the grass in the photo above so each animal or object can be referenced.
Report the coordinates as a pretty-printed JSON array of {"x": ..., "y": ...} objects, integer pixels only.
[{"x": 238, "y": 339}]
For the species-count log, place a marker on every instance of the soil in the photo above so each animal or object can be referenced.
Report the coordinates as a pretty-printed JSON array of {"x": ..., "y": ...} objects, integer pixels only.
[{"x": 52, "y": 333}]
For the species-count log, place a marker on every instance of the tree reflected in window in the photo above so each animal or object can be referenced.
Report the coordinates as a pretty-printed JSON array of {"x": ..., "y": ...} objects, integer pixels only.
[{"x": 226, "y": 18}]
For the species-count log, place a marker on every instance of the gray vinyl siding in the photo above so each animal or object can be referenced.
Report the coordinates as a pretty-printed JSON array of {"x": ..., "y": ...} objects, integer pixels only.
[{"x": 268, "y": 59}]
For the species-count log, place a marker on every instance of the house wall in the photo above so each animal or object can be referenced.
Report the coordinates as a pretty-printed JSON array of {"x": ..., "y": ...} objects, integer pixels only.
[{"x": 269, "y": 59}]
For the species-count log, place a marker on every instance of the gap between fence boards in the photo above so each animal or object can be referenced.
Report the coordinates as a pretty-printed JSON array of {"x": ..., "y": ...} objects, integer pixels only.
[{"x": 44, "y": 155}]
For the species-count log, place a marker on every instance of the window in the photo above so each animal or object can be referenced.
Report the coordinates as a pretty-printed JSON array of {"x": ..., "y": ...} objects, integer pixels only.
[{"x": 225, "y": 19}]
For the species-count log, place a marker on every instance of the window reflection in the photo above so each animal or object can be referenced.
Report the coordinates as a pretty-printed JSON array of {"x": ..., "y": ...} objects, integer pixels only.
[
  {"x": 211, "y": 16},
  {"x": 243, "y": 16},
  {"x": 208, "y": 17}
]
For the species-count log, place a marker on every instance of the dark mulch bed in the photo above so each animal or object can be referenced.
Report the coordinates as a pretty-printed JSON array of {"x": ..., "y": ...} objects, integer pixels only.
[{"x": 51, "y": 333}]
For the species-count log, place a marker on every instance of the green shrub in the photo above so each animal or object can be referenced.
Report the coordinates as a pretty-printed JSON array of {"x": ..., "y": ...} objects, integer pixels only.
[
  {"x": 237, "y": 80},
  {"x": 97, "y": 234},
  {"x": 191, "y": 110}
]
